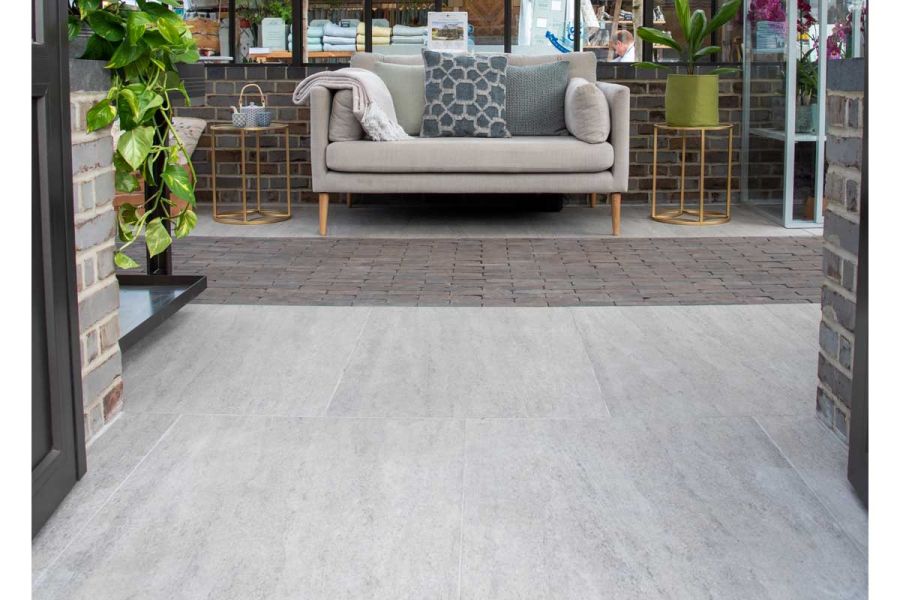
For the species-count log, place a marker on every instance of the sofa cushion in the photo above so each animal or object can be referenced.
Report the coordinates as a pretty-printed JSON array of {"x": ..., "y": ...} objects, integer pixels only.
[
  {"x": 562, "y": 154},
  {"x": 344, "y": 126},
  {"x": 581, "y": 64},
  {"x": 535, "y": 99},
  {"x": 465, "y": 96},
  {"x": 407, "y": 86},
  {"x": 587, "y": 111}
]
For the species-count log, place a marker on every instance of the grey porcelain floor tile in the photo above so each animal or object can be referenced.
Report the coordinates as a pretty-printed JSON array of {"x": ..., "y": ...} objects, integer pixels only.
[
  {"x": 704, "y": 360},
  {"x": 110, "y": 458},
  {"x": 275, "y": 360},
  {"x": 821, "y": 459},
  {"x": 262, "y": 507},
  {"x": 626, "y": 508},
  {"x": 469, "y": 362}
]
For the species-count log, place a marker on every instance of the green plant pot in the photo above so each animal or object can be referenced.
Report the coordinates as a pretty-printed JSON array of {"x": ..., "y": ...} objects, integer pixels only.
[{"x": 692, "y": 100}]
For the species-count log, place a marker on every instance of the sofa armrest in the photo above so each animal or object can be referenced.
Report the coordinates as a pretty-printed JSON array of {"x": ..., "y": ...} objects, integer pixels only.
[
  {"x": 619, "y": 99},
  {"x": 319, "y": 120}
]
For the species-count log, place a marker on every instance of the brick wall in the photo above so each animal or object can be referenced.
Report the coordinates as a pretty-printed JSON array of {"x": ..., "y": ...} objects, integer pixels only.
[
  {"x": 842, "y": 182},
  {"x": 98, "y": 290},
  {"x": 223, "y": 84}
]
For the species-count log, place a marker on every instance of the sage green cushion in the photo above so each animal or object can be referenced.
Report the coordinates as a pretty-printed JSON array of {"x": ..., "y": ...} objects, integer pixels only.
[
  {"x": 344, "y": 126},
  {"x": 587, "y": 111},
  {"x": 536, "y": 98},
  {"x": 407, "y": 86}
]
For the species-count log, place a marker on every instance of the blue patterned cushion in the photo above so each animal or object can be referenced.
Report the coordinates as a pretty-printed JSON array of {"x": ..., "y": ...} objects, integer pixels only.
[{"x": 465, "y": 96}]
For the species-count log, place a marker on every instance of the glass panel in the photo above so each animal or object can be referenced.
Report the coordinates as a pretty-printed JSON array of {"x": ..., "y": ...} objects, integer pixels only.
[
  {"x": 664, "y": 18},
  {"x": 209, "y": 26},
  {"x": 334, "y": 30},
  {"x": 846, "y": 37},
  {"x": 612, "y": 36},
  {"x": 485, "y": 22},
  {"x": 543, "y": 26},
  {"x": 263, "y": 31},
  {"x": 399, "y": 26}
]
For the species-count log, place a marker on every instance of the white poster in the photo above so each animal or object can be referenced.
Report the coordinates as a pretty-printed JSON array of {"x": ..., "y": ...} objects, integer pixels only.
[{"x": 448, "y": 31}]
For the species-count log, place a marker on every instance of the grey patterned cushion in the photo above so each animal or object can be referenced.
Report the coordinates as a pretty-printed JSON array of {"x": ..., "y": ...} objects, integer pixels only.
[
  {"x": 465, "y": 96},
  {"x": 536, "y": 99}
]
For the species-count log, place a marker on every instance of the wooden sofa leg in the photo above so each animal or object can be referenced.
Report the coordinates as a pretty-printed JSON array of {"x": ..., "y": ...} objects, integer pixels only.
[
  {"x": 616, "y": 201},
  {"x": 594, "y": 200},
  {"x": 323, "y": 214}
]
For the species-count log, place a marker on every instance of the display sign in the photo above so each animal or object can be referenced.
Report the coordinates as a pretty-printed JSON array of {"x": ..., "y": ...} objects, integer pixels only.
[
  {"x": 448, "y": 31},
  {"x": 273, "y": 34}
]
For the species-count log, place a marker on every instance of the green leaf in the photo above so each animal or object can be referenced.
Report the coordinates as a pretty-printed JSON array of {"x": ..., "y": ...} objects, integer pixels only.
[
  {"x": 724, "y": 71},
  {"x": 101, "y": 115},
  {"x": 137, "y": 24},
  {"x": 187, "y": 220},
  {"x": 179, "y": 183},
  {"x": 683, "y": 13},
  {"x": 126, "y": 54},
  {"x": 74, "y": 25},
  {"x": 126, "y": 181},
  {"x": 126, "y": 218},
  {"x": 135, "y": 145},
  {"x": 650, "y": 65},
  {"x": 98, "y": 49},
  {"x": 650, "y": 34},
  {"x": 123, "y": 261},
  {"x": 158, "y": 239},
  {"x": 171, "y": 30},
  {"x": 86, "y": 7},
  {"x": 106, "y": 25},
  {"x": 698, "y": 26},
  {"x": 706, "y": 51},
  {"x": 726, "y": 13}
]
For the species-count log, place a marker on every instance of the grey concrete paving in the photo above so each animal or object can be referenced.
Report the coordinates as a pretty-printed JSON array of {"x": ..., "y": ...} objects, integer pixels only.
[
  {"x": 386, "y": 459},
  {"x": 450, "y": 222}
]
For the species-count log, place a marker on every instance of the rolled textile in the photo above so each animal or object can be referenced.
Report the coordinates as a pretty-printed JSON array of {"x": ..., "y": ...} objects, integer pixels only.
[
  {"x": 332, "y": 30},
  {"x": 377, "y": 31},
  {"x": 411, "y": 40},
  {"x": 406, "y": 30},
  {"x": 376, "y": 41},
  {"x": 315, "y": 32},
  {"x": 339, "y": 47}
]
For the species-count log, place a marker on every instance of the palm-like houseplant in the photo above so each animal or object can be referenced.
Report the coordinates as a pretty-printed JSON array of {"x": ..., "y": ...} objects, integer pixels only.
[
  {"x": 142, "y": 47},
  {"x": 692, "y": 100}
]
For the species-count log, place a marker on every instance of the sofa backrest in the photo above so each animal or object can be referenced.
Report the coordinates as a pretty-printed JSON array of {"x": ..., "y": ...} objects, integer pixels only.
[{"x": 581, "y": 64}]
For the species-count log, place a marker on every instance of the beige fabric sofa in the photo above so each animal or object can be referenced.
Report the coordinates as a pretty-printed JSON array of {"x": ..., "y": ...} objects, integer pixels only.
[{"x": 527, "y": 165}]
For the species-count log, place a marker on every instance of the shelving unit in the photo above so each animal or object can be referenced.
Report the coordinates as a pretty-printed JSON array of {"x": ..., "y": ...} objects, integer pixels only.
[{"x": 794, "y": 210}]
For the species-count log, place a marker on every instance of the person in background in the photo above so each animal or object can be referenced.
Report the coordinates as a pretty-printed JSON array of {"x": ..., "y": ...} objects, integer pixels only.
[{"x": 624, "y": 46}]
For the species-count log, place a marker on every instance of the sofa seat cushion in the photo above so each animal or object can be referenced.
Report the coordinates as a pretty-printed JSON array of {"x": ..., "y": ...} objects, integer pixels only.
[{"x": 524, "y": 154}]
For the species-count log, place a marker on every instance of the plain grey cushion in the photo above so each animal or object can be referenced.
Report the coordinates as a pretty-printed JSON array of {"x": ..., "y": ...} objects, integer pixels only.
[
  {"x": 536, "y": 98},
  {"x": 343, "y": 126},
  {"x": 524, "y": 154},
  {"x": 407, "y": 86},
  {"x": 581, "y": 64},
  {"x": 587, "y": 111}
]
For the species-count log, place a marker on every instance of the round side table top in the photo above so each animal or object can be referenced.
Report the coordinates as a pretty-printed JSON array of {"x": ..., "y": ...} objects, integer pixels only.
[
  {"x": 228, "y": 127},
  {"x": 719, "y": 127}
]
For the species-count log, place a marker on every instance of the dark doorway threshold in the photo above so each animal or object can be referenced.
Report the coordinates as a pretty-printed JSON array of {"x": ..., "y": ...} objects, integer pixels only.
[{"x": 145, "y": 301}]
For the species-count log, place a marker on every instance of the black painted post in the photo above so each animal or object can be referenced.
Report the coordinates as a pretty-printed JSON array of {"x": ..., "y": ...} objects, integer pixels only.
[{"x": 161, "y": 264}]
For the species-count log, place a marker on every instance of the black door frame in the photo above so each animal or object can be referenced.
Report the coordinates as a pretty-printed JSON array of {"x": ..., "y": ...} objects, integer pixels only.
[{"x": 53, "y": 258}]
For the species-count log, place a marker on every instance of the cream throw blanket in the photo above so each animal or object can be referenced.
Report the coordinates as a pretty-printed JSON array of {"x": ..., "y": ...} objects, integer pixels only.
[{"x": 372, "y": 102}]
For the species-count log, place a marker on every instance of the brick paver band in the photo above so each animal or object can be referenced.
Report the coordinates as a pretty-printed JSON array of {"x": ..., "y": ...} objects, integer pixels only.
[{"x": 503, "y": 272}]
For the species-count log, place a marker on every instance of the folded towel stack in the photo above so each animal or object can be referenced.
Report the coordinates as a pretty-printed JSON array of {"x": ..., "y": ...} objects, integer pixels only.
[
  {"x": 406, "y": 35},
  {"x": 338, "y": 38},
  {"x": 314, "y": 34},
  {"x": 381, "y": 34}
]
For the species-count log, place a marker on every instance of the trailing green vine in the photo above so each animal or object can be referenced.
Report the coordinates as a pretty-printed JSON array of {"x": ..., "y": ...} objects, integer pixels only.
[{"x": 142, "y": 47}]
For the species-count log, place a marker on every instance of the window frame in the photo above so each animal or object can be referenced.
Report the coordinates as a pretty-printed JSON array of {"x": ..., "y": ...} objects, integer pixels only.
[{"x": 298, "y": 31}]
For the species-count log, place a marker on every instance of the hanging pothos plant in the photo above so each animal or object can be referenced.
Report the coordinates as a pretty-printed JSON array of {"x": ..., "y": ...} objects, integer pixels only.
[{"x": 142, "y": 47}]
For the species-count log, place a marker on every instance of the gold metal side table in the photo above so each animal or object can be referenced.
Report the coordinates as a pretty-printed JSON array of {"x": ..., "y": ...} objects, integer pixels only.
[
  {"x": 699, "y": 215},
  {"x": 258, "y": 215}
]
